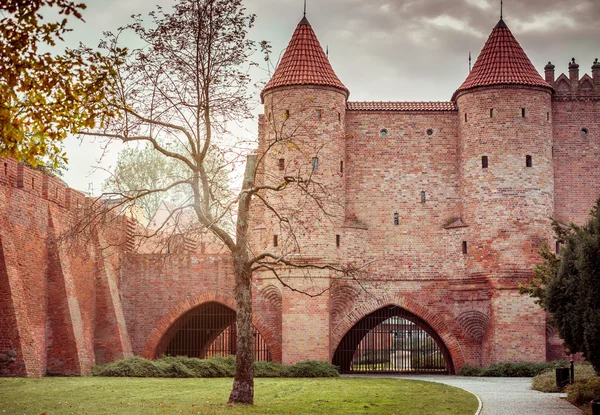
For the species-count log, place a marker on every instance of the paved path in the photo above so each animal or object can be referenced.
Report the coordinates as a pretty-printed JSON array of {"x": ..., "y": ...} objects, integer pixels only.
[{"x": 507, "y": 396}]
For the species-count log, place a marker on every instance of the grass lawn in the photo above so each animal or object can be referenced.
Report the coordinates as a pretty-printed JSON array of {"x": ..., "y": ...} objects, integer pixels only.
[{"x": 137, "y": 396}]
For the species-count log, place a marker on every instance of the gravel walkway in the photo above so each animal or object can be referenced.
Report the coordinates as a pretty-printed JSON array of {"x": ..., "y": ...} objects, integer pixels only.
[{"x": 507, "y": 396}]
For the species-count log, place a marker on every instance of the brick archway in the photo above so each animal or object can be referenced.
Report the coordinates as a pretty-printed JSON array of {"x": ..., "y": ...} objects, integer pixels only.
[
  {"x": 436, "y": 323},
  {"x": 181, "y": 308}
]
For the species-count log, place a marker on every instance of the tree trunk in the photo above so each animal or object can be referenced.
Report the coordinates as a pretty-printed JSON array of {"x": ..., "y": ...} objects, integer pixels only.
[{"x": 243, "y": 383}]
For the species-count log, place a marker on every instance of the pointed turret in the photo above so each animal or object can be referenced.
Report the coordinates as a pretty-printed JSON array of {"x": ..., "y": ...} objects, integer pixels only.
[
  {"x": 304, "y": 63},
  {"x": 502, "y": 61}
]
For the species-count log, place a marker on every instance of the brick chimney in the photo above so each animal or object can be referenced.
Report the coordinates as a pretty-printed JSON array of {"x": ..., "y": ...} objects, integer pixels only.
[
  {"x": 549, "y": 70},
  {"x": 596, "y": 76},
  {"x": 574, "y": 76}
]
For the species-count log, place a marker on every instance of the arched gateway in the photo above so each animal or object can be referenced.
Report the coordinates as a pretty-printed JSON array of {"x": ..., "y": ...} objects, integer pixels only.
[
  {"x": 392, "y": 340},
  {"x": 207, "y": 330}
]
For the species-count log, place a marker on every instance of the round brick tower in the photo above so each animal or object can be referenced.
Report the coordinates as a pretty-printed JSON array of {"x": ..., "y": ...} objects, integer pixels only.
[
  {"x": 304, "y": 115},
  {"x": 301, "y": 143},
  {"x": 507, "y": 183}
]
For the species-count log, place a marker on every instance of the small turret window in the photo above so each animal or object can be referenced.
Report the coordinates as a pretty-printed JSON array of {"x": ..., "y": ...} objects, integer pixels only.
[
  {"x": 523, "y": 112},
  {"x": 396, "y": 219},
  {"x": 275, "y": 241},
  {"x": 423, "y": 197},
  {"x": 528, "y": 161},
  {"x": 466, "y": 117},
  {"x": 341, "y": 166},
  {"x": 338, "y": 240},
  {"x": 281, "y": 164},
  {"x": 547, "y": 116},
  {"x": 492, "y": 113},
  {"x": 383, "y": 133},
  {"x": 315, "y": 163},
  {"x": 464, "y": 248},
  {"x": 319, "y": 114},
  {"x": 339, "y": 117},
  {"x": 484, "y": 162}
]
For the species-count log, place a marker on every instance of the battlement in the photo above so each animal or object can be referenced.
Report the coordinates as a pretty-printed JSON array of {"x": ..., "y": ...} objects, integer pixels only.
[
  {"x": 44, "y": 186},
  {"x": 573, "y": 86}
]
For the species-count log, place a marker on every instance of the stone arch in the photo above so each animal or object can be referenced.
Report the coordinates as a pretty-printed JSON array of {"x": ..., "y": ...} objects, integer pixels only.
[
  {"x": 162, "y": 326},
  {"x": 434, "y": 321}
]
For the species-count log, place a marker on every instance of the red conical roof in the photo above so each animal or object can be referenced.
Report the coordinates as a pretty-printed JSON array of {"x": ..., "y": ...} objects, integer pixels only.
[
  {"x": 304, "y": 63},
  {"x": 502, "y": 61}
]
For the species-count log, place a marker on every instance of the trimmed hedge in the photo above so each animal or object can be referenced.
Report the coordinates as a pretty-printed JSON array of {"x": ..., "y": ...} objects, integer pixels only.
[
  {"x": 581, "y": 393},
  {"x": 546, "y": 381},
  {"x": 215, "y": 367},
  {"x": 512, "y": 370}
]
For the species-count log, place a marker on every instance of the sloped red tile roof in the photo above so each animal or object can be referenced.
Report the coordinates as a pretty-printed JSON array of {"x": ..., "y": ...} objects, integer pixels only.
[
  {"x": 502, "y": 61},
  {"x": 401, "y": 106},
  {"x": 304, "y": 63}
]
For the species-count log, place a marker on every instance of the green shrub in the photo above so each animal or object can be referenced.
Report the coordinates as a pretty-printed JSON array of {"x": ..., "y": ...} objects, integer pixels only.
[
  {"x": 582, "y": 392},
  {"x": 522, "y": 369},
  {"x": 471, "y": 370},
  {"x": 546, "y": 381},
  {"x": 134, "y": 367},
  {"x": 267, "y": 370},
  {"x": 372, "y": 357},
  {"x": 214, "y": 367},
  {"x": 427, "y": 361},
  {"x": 180, "y": 366},
  {"x": 310, "y": 369}
]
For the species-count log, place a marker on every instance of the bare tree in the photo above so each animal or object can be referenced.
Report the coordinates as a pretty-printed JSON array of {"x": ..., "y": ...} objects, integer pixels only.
[{"x": 177, "y": 93}]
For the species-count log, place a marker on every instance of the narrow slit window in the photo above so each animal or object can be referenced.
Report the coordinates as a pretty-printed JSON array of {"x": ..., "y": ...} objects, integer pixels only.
[
  {"x": 464, "y": 248},
  {"x": 423, "y": 197},
  {"x": 319, "y": 114},
  {"x": 315, "y": 163},
  {"x": 281, "y": 164},
  {"x": 5, "y": 169},
  {"x": 341, "y": 166},
  {"x": 491, "y": 113},
  {"x": 484, "y": 162},
  {"x": 338, "y": 240},
  {"x": 32, "y": 183},
  {"x": 339, "y": 117},
  {"x": 557, "y": 248},
  {"x": 396, "y": 219},
  {"x": 528, "y": 161},
  {"x": 275, "y": 241},
  {"x": 466, "y": 117},
  {"x": 269, "y": 116},
  {"x": 287, "y": 114},
  {"x": 547, "y": 116},
  {"x": 523, "y": 112}
]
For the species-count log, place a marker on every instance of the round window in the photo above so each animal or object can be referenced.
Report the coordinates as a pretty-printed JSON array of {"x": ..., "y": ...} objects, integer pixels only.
[
  {"x": 383, "y": 132},
  {"x": 429, "y": 131},
  {"x": 584, "y": 131}
]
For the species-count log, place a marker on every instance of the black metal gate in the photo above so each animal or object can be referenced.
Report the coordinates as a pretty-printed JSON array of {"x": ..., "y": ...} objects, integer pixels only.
[
  {"x": 392, "y": 340},
  {"x": 207, "y": 330}
]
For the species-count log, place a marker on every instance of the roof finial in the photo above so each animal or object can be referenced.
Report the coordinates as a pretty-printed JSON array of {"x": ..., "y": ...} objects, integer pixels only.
[
  {"x": 304, "y": 8},
  {"x": 469, "y": 61},
  {"x": 501, "y": 8}
]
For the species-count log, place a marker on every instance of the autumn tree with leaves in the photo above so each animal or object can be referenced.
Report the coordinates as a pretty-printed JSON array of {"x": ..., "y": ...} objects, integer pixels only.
[{"x": 44, "y": 96}]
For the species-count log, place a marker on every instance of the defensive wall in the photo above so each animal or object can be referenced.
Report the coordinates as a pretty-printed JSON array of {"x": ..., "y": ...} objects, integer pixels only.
[{"x": 447, "y": 203}]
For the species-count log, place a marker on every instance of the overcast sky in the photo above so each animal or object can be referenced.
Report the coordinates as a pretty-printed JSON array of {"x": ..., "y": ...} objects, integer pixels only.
[{"x": 382, "y": 50}]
